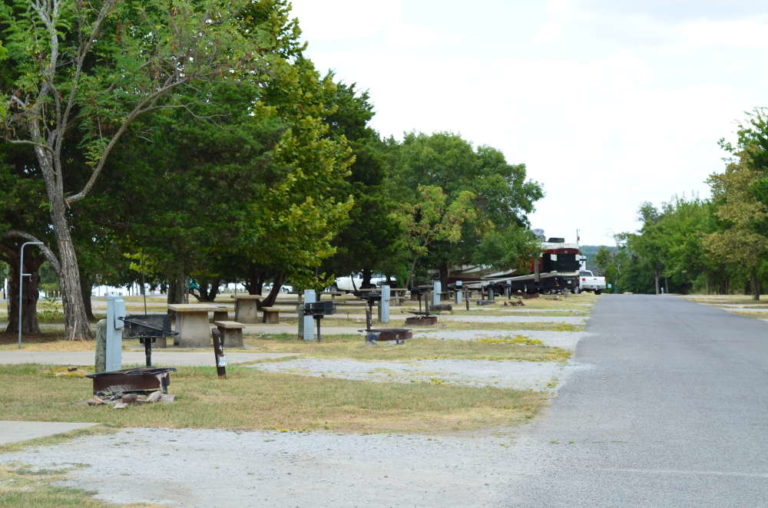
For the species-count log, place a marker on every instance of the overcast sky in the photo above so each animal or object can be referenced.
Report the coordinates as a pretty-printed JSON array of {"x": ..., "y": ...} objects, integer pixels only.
[{"x": 609, "y": 103}]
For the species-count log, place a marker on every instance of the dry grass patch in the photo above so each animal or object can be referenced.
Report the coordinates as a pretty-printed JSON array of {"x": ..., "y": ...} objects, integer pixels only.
[
  {"x": 753, "y": 314},
  {"x": 512, "y": 327},
  {"x": 52, "y": 341},
  {"x": 744, "y": 300},
  {"x": 354, "y": 347},
  {"x": 250, "y": 399},
  {"x": 515, "y": 311},
  {"x": 24, "y": 487}
]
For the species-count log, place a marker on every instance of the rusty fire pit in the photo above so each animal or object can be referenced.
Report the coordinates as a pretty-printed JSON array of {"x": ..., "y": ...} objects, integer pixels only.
[
  {"x": 142, "y": 379},
  {"x": 423, "y": 320},
  {"x": 399, "y": 335},
  {"x": 374, "y": 335}
]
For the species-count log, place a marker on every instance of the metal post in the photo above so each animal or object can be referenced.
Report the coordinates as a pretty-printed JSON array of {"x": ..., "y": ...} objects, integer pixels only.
[
  {"x": 115, "y": 325},
  {"x": 384, "y": 304},
  {"x": 459, "y": 293},
  {"x": 218, "y": 354},
  {"x": 21, "y": 283},
  {"x": 438, "y": 290},
  {"x": 308, "y": 324}
]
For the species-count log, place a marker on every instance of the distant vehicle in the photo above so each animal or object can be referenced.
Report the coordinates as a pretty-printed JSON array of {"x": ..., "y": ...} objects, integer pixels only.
[
  {"x": 285, "y": 288},
  {"x": 355, "y": 282},
  {"x": 589, "y": 282},
  {"x": 556, "y": 270}
]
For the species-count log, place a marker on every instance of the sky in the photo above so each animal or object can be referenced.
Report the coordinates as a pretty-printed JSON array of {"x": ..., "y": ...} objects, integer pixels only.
[{"x": 608, "y": 103}]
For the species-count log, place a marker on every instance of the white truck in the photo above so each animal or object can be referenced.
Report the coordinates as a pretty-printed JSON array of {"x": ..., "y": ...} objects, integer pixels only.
[
  {"x": 589, "y": 282},
  {"x": 353, "y": 282}
]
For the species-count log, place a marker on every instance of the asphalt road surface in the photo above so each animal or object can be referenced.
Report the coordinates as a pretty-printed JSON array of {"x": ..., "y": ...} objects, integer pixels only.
[{"x": 672, "y": 411}]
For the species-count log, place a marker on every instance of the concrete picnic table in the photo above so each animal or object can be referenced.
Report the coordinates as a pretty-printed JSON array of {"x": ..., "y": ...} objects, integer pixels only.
[
  {"x": 192, "y": 323},
  {"x": 247, "y": 308}
]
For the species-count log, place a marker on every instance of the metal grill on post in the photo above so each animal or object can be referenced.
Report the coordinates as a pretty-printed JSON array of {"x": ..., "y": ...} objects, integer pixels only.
[
  {"x": 147, "y": 328},
  {"x": 318, "y": 310}
]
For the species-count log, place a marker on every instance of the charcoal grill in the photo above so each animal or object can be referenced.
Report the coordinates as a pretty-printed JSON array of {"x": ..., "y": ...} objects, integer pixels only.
[
  {"x": 318, "y": 310},
  {"x": 147, "y": 328},
  {"x": 370, "y": 297}
]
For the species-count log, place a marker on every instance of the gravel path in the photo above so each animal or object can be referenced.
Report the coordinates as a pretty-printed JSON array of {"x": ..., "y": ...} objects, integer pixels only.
[
  {"x": 205, "y": 468},
  {"x": 539, "y": 376}
]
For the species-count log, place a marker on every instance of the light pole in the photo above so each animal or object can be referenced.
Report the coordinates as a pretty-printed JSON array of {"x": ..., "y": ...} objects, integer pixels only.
[{"x": 21, "y": 282}]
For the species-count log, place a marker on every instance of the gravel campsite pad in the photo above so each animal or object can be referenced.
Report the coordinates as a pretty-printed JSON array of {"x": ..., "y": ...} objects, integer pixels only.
[
  {"x": 537, "y": 376},
  {"x": 212, "y": 467}
]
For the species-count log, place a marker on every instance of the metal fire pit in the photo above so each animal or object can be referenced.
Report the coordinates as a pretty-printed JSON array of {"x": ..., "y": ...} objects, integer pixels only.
[
  {"x": 399, "y": 335},
  {"x": 147, "y": 328},
  {"x": 317, "y": 310},
  {"x": 143, "y": 379},
  {"x": 423, "y": 320}
]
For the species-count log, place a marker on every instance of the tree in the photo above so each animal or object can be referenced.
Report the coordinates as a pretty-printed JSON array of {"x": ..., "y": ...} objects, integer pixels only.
[
  {"x": 95, "y": 69},
  {"x": 502, "y": 195},
  {"x": 431, "y": 219},
  {"x": 365, "y": 244},
  {"x": 740, "y": 196},
  {"x": 740, "y": 243}
]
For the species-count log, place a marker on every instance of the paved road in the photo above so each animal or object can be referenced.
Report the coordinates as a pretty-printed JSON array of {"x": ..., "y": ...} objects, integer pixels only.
[{"x": 672, "y": 412}]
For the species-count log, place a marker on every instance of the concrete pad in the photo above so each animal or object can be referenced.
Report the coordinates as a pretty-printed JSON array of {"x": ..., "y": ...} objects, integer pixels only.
[
  {"x": 159, "y": 358},
  {"x": 15, "y": 432}
]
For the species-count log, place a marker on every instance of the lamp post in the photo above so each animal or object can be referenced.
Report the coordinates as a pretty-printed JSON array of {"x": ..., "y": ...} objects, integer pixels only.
[{"x": 21, "y": 282}]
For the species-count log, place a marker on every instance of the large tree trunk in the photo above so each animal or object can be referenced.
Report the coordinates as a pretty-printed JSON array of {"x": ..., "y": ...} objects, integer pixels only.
[
  {"x": 254, "y": 283},
  {"x": 209, "y": 289},
  {"x": 277, "y": 283},
  {"x": 86, "y": 284},
  {"x": 444, "y": 273},
  {"x": 30, "y": 324},
  {"x": 755, "y": 286},
  {"x": 75, "y": 317},
  {"x": 177, "y": 290},
  {"x": 367, "y": 273},
  {"x": 656, "y": 280}
]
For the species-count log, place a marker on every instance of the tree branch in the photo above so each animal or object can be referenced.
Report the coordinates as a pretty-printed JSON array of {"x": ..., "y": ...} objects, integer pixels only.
[
  {"x": 47, "y": 252},
  {"x": 82, "y": 53},
  {"x": 146, "y": 105},
  {"x": 29, "y": 142}
]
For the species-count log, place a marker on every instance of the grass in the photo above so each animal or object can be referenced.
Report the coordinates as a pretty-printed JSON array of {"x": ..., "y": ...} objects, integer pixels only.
[
  {"x": 249, "y": 399},
  {"x": 745, "y": 300},
  {"x": 754, "y": 315},
  {"x": 24, "y": 487},
  {"x": 513, "y": 348},
  {"x": 505, "y": 311},
  {"x": 543, "y": 326}
]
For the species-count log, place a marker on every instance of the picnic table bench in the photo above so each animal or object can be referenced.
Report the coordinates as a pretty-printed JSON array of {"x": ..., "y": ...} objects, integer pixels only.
[
  {"x": 231, "y": 333},
  {"x": 271, "y": 315}
]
